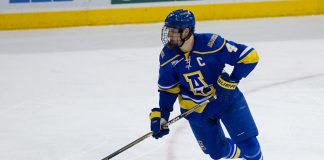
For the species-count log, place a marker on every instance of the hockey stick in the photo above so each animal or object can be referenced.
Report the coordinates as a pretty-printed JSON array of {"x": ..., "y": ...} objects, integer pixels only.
[{"x": 175, "y": 119}]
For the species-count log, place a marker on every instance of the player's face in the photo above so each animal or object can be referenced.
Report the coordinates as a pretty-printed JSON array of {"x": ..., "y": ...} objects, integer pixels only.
[{"x": 174, "y": 36}]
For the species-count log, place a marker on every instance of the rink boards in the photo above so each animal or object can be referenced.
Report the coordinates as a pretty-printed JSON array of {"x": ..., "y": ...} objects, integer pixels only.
[{"x": 109, "y": 14}]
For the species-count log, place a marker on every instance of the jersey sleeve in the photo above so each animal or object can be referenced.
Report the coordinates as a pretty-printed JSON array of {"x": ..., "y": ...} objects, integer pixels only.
[
  {"x": 242, "y": 57},
  {"x": 168, "y": 82}
]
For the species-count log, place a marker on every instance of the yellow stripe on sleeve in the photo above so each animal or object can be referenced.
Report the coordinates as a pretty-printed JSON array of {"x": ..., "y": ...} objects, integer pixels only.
[{"x": 252, "y": 57}]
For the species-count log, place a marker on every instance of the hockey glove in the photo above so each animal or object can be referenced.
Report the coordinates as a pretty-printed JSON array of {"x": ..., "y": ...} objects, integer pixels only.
[
  {"x": 225, "y": 88},
  {"x": 158, "y": 118}
]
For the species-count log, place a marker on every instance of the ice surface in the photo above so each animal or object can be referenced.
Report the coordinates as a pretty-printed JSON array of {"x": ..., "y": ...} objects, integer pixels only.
[{"x": 82, "y": 93}]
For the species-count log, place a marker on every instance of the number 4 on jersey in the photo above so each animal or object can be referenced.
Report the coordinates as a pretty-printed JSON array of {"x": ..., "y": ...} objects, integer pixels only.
[{"x": 231, "y": 48}]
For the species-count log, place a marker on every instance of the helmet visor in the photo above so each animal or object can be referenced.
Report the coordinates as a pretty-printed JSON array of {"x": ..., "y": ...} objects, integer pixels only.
[{"x": 171, "y": 37}]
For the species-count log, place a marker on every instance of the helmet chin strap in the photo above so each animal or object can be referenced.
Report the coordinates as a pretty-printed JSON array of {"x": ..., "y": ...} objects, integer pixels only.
[{"x": 183, "y": 40}]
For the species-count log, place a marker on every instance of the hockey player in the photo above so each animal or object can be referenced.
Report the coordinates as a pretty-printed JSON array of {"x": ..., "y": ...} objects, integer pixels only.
[{"x": 191, "y": 69}]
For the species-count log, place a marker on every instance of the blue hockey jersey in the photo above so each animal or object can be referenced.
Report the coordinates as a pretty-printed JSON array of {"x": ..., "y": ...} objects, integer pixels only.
[{"x": 182, "y": 74}]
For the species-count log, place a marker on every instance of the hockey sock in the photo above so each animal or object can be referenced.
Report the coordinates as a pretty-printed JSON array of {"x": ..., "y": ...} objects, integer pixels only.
[
  {"x": 250, "y": 149},
  {"x": 234, "y": 151}
]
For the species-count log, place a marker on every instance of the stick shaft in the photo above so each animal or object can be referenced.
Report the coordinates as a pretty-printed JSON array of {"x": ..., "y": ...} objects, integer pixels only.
[
  {"x": 173, "y": 120},
  {"x": 185, "y": 114},
  {"x": 128, "y": 146}
]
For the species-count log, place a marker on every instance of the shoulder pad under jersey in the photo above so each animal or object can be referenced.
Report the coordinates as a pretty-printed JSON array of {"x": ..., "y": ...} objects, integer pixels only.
[
  {"x": 208, "y": 43},
  {"x": 167, "y": 55}
]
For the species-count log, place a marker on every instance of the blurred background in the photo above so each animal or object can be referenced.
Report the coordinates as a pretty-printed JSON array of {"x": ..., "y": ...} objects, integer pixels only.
[{"x": 79, "y": 77}]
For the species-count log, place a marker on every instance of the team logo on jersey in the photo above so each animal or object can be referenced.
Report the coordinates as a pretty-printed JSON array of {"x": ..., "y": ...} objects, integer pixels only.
[{"x": 197, "y": 83}]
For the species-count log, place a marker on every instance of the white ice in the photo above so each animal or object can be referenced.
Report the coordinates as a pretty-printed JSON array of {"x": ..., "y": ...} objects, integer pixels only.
[{"x": 82, "y": 93}]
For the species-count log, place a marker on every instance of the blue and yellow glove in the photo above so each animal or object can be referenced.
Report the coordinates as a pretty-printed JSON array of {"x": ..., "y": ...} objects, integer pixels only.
[
  {"x": 225, "y": 88},
  {"x": 158, "y": 118}
]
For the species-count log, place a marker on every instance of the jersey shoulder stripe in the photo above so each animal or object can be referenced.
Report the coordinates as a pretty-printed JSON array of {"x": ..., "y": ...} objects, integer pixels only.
[
  {"x": 171, "y": 59},
  {"x": 209, "y": 43},
  {"x": 167, "y": 56}
]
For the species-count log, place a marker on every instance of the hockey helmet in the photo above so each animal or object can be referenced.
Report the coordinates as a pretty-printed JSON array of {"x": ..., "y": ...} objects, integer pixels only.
[{"x": 180, "y": 19}]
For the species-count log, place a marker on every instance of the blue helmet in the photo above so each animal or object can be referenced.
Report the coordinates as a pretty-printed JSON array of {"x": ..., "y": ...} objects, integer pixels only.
[{"x": 180, "y": 19}]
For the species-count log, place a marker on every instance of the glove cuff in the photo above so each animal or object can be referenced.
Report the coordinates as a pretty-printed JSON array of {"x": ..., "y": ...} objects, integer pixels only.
[
  {"x": 155, "y": 113},
  {"x": 226, "y": 83},
  {"x": 158, "y": 113}
]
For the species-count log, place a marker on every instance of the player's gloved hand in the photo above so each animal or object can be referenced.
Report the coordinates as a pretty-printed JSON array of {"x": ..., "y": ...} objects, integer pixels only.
[
  {"x": 158, "y": 118},
  {"x": 225, "y": 88}
]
